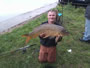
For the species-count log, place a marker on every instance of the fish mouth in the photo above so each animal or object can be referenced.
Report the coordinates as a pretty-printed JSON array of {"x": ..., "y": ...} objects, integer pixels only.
[{"x": 65, "y": 34}]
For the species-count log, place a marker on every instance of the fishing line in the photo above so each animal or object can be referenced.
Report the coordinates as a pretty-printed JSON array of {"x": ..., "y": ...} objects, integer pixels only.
[{"x": 61, "y": 2}]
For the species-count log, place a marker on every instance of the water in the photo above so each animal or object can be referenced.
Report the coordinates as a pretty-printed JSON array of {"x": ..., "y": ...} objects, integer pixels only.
[{"x": 11, "y": 8}]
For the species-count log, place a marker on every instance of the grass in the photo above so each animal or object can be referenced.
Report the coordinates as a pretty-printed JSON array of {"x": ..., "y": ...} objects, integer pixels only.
[{"x": 73, "y": 21}]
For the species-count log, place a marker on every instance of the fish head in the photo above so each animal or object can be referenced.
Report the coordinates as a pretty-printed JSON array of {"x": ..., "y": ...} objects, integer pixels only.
[{"x": 64, "y": 33}]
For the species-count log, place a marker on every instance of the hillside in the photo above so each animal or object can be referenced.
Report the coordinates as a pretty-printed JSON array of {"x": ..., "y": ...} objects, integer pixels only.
[{"x": 73, "y": 21}]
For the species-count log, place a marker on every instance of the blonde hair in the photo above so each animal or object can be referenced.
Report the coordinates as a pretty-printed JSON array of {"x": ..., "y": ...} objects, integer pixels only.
[{"x": 57, "y": 17}]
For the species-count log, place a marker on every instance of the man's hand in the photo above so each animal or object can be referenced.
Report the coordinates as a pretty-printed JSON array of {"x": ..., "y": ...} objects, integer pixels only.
[
  {"x": 42, "y": 35},
  {"x": 58, "y": 38}
]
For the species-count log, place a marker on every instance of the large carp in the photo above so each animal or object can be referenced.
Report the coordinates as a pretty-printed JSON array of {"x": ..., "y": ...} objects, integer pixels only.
[{"x": 51, "y": 30}]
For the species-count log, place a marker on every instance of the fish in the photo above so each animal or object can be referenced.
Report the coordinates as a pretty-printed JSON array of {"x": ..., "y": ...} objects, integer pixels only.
[{"x": 50, "y": 30}]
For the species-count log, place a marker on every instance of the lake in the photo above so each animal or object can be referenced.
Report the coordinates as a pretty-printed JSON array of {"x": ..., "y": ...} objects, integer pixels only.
[{"x": 12, "y": 8}]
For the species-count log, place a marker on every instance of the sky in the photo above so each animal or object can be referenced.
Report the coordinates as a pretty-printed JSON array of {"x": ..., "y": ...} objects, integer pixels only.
[{"x": 10, "y": 8}]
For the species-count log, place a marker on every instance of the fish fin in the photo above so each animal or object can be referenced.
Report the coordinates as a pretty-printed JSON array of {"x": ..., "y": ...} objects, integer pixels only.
[{"x": 27, "y": 36}]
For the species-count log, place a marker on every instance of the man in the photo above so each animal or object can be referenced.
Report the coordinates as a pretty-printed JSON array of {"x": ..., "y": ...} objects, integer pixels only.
[
  {"x": 48, "y": 45},
  {"x": 86, "y": 36}
]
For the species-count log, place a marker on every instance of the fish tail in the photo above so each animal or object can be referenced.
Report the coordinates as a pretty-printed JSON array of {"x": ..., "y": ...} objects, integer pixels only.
[
  {"x": 25, "y": 35},
  {"x": 27, "y": 38}
]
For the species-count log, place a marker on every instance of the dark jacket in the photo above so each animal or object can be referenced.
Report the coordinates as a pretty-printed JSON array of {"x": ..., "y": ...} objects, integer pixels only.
[
  {"x": 87, "y": 11},
  {"x": 49, "y": 41}
]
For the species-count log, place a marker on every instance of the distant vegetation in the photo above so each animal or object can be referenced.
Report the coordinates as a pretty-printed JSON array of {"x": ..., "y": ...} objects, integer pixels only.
[{"x": 73, "y": 21}]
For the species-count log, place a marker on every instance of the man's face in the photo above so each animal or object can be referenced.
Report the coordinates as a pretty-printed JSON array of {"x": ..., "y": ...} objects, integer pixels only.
[{"x": 51, "y": 16}]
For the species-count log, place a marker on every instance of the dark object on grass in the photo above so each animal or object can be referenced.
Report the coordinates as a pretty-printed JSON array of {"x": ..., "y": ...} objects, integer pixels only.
[
  {"x": 22, "y": 48},
  {"x": 76, "y": 3},
  {"x": 81, "y": 39}
]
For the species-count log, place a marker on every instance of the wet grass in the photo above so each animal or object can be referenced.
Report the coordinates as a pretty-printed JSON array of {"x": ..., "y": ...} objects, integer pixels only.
[{"x": 73, "y": 21}]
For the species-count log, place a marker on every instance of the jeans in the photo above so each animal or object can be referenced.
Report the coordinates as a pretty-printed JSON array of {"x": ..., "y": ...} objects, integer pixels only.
[{"x": 87, "y": 30}]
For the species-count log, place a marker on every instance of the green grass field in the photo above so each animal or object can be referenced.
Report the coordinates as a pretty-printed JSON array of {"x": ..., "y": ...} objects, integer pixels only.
[{"x": 73, "y": 21}]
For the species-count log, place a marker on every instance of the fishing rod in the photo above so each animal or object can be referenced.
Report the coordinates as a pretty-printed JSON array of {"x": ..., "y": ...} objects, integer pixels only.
[
  {"x": 13, "y": 51},
  {"x": 61, "y": 14},
  {"x": 23, "y": 48}
]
